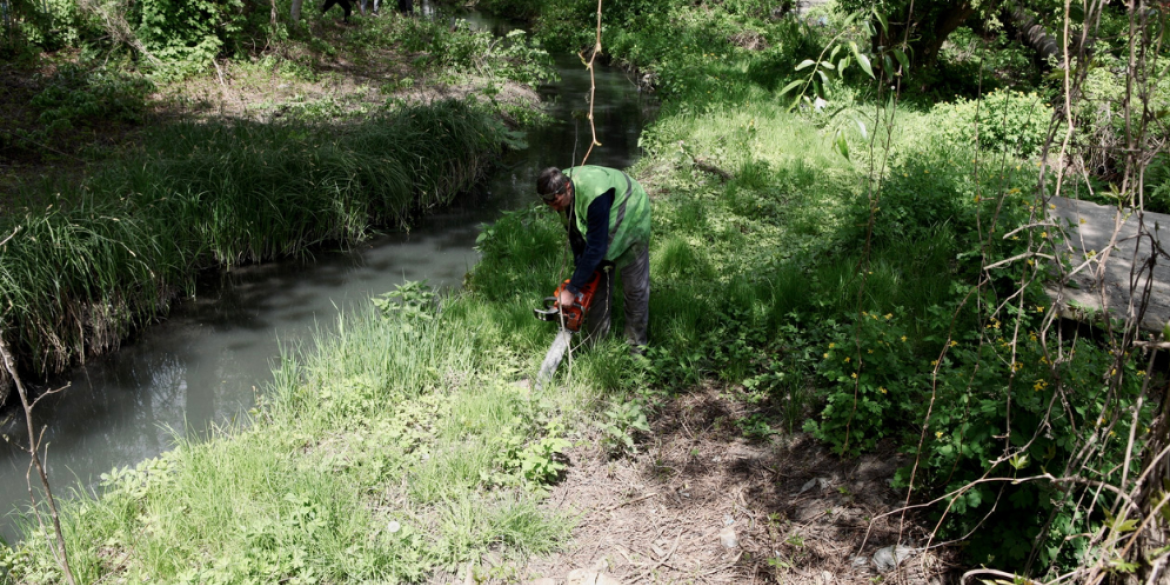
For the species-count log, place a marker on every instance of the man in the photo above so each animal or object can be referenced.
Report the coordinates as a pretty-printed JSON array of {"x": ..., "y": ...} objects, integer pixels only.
[
  {"x": 376, "y": 6},
  {"x": 608, "y": 217},
  {"x": 346, "y": 6}
]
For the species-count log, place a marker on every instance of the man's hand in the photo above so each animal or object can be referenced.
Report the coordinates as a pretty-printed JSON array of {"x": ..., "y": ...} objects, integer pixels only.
[{"x": 566, "y": 298}]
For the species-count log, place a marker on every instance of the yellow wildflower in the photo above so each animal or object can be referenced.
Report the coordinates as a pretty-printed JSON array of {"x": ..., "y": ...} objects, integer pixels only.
[
  {"x": 882, "y": 390},
  {"x": 903, "y": 338},
  {"x": 938, "y": 434},
  {"x": 847, "y": 359},
  {"x": 854, "y": 375}
]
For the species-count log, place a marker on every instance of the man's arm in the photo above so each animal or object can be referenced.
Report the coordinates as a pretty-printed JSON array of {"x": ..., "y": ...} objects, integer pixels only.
[{"x": 596, "y": 241}]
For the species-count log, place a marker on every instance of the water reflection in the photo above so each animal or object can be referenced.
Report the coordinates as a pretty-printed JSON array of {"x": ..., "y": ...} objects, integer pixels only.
[{"x": 203, "y": 365}]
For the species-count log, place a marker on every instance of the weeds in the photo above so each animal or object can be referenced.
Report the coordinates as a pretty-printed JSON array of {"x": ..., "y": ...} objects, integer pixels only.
[
  {"x": 620, "y": 426},
  {"x": 115, "y": 252}
]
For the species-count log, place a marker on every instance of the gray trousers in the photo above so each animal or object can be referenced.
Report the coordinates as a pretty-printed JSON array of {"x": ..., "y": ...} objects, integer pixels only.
[{"x": 635, "y": 293}]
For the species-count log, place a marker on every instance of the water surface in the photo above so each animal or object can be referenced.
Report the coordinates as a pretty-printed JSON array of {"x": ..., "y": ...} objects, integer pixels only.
[{"x": 204, "y": 364}]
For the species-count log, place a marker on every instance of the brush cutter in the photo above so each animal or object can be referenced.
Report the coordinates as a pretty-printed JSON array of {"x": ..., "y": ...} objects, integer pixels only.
[
  {"x": 571, "y": 318},
  {"x": 574, "y": 314}
]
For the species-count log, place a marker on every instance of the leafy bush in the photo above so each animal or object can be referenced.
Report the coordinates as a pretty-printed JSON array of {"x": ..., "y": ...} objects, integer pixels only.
[
  {"x": 187, "y": 34},
  {"x": 458, "y": 47},
  {"x": 76, "y": 96},
  {"x": 622, "y": 423},
  {"x": 51, "y": 24},
  {"x": 1003, "y": 121},
  {"x": 1056, "y": 400}
]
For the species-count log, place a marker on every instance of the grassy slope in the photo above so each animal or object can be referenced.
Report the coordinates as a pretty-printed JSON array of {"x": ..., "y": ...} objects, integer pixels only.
[
  {"x": 756, "y": 282},
  {"x": 314, "y": 142}
]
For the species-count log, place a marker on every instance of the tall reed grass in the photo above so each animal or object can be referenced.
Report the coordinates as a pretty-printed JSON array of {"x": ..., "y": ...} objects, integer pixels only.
[
  {"x": 373, "y": 460},
  {"x": 79, "y": 276}
]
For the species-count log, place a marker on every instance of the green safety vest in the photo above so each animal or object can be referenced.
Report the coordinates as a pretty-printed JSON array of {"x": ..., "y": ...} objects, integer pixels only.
[{"x": 629, "y": 218}]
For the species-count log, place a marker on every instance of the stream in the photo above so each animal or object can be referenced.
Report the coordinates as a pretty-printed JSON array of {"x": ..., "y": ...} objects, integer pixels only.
[{"x": 204, "y": 364}]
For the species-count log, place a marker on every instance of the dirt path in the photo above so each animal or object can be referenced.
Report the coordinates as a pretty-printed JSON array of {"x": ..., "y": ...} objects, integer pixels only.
[{"x": 797, "y": 513}]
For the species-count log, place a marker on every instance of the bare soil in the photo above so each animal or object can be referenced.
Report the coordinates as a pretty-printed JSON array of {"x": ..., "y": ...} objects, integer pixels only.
[{"x": 657, "y": 516}]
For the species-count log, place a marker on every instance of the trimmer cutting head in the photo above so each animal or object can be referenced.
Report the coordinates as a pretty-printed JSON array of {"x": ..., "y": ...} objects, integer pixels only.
[
  {"x": 550, "y": 312},
  {"x": 572, "y": 316}
]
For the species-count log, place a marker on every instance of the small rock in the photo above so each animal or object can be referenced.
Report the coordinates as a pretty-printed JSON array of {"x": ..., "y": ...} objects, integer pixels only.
[
  {"x": 583, "y": 577},
  {"x": 859, "y": 562},
  {"x": 887, "y": 559},
  {"x": 872, "y": 467},
  {"x": 826, "y": 577},
  {"x": 816, "y": 482},
  {"x": 727, "y": 538}
]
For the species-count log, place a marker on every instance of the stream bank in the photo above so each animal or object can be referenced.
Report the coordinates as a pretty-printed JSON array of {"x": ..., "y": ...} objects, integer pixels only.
[{"x": 203, "y": 365}]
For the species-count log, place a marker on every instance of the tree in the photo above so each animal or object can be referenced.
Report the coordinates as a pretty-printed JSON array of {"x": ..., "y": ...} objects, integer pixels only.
[{"x": 925, "y": 25}]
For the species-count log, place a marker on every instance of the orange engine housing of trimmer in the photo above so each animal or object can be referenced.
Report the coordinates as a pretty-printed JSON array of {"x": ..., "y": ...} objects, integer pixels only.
[{"x": 574, "y": 314}]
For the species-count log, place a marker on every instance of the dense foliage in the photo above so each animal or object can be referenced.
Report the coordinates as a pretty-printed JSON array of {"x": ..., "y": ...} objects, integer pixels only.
[
  {"x": 115, "y": 250},
  {"x": 871, "y": 271}
]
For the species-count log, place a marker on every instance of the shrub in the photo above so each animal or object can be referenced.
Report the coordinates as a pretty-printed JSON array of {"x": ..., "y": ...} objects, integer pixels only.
[
  {"x": 1003, "y": 121},
  {"x": 76, "y": 96}
]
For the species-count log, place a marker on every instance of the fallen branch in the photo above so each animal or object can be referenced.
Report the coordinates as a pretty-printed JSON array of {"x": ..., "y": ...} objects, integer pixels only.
[{"x": 58, "y": 548}]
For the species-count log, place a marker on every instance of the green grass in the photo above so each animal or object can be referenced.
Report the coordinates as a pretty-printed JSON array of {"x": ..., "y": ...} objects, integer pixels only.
[
  {"x": 110, "y": 255},
  {"x": 771, "y": 283},
  {"x": 354, "y": 438}
]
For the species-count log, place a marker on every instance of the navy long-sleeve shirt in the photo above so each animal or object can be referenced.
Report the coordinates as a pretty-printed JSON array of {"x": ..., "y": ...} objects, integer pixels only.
[{"x": 589, "y": 251}]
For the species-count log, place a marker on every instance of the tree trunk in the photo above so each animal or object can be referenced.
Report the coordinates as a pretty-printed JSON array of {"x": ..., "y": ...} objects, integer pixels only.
[
  {"x": 931, "y": 31},
  {"x": 296, "y": 10},
  {"x": 943, "y": 26},
  {"x": 1025, "y": 27}
]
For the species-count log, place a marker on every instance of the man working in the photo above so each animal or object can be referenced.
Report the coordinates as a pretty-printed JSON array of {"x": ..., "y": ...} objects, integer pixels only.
[{"x": 608, "y": 217}]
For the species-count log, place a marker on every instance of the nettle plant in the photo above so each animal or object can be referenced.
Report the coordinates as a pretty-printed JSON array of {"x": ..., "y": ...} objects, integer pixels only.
[
  {"x": 187, "y": 35},
  {"x": 1004, "y": 121}
]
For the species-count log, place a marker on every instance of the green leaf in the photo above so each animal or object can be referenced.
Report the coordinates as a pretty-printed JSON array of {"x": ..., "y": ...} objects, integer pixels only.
[
  {"x": 901, "y": 57},
  {"x": 1126, "y": 526},
  {"x": 841, "y": 145},
  {"x": 881, "y": 17},
  {"x": 1019, "y": 461},
  {"x": 805, "y": 64},
  {"x": 791, "y": 86},
  {"x": 862, "y": 60}
]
